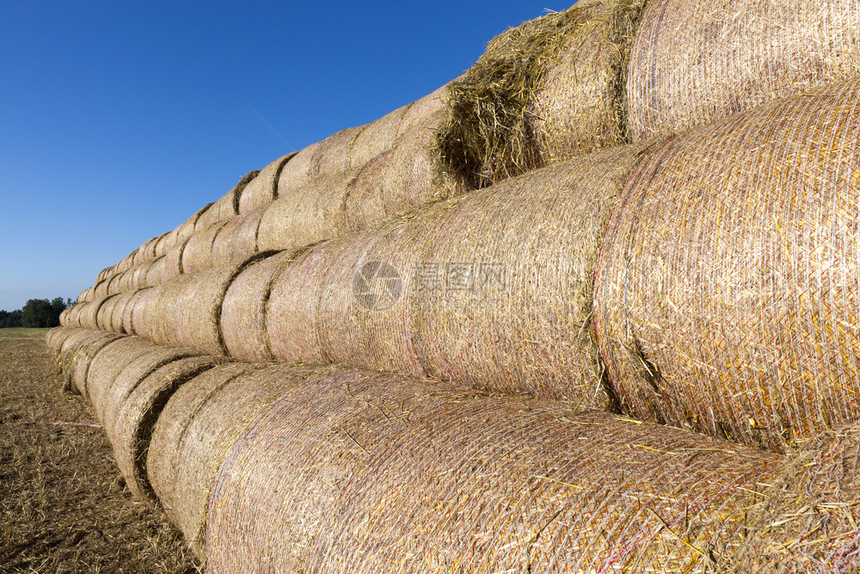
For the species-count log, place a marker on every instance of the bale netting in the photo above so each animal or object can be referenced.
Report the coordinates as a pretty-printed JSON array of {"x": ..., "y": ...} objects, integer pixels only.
[
  {"x": 196, "y": 318},
  {"x": 106, "y": 365},
  {"x": 243, "y": 312},
  {"x": 807, "y": 521},
  {"x": 367, "y": 472},
  {"x": 114, "y": 396},
  {"x": 549, "y": 90},
  {"x": 364, "y": 314},
  {"x": 263, "y": 189},
  {"x": 306, "y": 216},
  {"x": 137, "y": 416},
  {"x": 693, "y": 62},
  {"x": 493, "y": 289},
  {"x": 209, "y": 435},
  {"x": 375, "y": 138},
  {"x": 292, "y": 310},
  {"x": 727, "y": 294},
  {"x": 162, "y": 458},
  {"x": 76, "y": 354},
  {"x": 402, "y": 178},
  {"x": 197, "y": 255}
]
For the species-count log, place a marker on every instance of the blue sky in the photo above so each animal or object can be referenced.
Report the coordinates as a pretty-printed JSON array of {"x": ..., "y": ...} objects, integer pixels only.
[{"x": 118, "y": 120}]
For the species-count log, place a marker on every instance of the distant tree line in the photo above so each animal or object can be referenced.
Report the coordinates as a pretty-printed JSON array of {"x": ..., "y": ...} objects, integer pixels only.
[{"x": 35, "y": 314}]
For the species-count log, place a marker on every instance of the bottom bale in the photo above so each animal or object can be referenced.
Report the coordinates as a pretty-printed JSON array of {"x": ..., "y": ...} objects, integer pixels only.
[
  {"x": 808, "y": 520},
  {"x": 76, "y": 355},
  {"x": 140, "y": 411},
  {"x": 366, "y": 472},
  {"x": 162, "y": 458},
  {"x": 115, "y": 395},
  {"x": 215, "y": 427},
  {"x": 107, "y": 364}
]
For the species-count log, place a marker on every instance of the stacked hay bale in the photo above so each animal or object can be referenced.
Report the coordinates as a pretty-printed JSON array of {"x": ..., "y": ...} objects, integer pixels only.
[{"x": 706, "y": 280}]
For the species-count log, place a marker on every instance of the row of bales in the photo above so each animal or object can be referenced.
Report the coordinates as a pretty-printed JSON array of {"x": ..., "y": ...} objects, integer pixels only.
[{"x": 590, "y": 307}]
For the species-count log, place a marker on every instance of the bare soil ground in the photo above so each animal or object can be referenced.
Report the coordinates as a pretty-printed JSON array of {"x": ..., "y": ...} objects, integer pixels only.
[{"x": 64, "y": 507}]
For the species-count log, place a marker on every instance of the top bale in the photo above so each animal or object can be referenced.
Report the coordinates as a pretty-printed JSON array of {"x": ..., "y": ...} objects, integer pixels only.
[
  {"x": 549, "y": 90},
  {"x": 695, "y": 62}
]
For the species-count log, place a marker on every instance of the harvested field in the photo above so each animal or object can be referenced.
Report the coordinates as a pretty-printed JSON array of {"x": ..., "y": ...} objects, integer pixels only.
[{"x": 64, "y": 507}]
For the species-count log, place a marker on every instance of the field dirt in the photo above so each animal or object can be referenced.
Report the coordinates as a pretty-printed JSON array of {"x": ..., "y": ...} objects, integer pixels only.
[{"x": 64, "y": 507}]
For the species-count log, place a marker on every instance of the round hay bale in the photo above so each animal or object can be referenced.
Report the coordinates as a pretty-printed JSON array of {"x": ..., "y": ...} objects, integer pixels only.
[
  {"x": 297, "y": 173},
  {"x": 375, "y": 138},
  {"x": 727, "y": 287},
  {"x": 134, "y": 310},
  {"x": 216, "y": 425},
  {"x": 222, "y": 245},
  {"x": 155, "y": 271},
  {"x": 106, "y": 365},
  {"x": 114, "y": 396},
  {"x": 505, "y": 299},
  {"x": 197, "y": 313},
  {"x": 117, "y": 318},
  {"x": 263, "y": 189},
  {"x": 228, "y": 206},
  {"x": 161, "y": 245},
  {"x": 364, "y": 472},
  {"x": 104, "y": 313},
  {"x": 244, "y": 240},
  {"x": 128, "y": 261},
  {"x": 807, "y": 520},
  {"x": 206, "y": 217},
  {"x": 162, "y": 306},
  {"x": 90, "y": 313},
  {"x": 137, "y": 417},
  {"x": 364, "y": 308},
  {"x": 332, "y": 154},
  {"x": 243, "y": 313},
  {"x": 292, "y": 312},
  {"x": 180, "y": 234},
  {"x": 306, "y": 216},
  {"x": 693, "y": 63},
  {"x": 173, "y": 265},
  {"x": 115, "y": 284},
  {"x": 79, "y": 358},
  {"x": 55, "y": 337},
  {"x": 138, "y": 276},
  {"x": 549, "y": 90},
  {"x": 162, "y": 459},
  {"x": 197, "y": 255},
  {"x": 402, "y": 178},
  {"x": 100, "y": 291},
  {"x": 86, "y": 295}
]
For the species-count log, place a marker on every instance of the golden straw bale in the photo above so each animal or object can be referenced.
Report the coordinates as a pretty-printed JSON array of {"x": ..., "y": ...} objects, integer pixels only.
[
  {"x": 549, "y": 90},
  {"x": 694, "y": 62},
  {"x": 366, "y": 472},
  {"x": 727, "y": 293},
  {"x": 807, "y": 520},
  {"x": 292, "y": 310},
  {"x": 243, "y": 313},
  {"x": 137, "y": 416},
  {"x": 263, "y": 189},
  {"x": 197, "y": 255}
]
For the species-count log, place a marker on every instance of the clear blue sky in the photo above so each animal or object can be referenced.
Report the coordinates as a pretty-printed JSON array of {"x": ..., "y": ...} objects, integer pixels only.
[{"x": 118, "y": 120}]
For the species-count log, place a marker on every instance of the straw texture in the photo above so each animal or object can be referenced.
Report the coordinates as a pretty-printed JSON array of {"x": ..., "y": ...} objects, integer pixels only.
[
  {"x": 297, "y": 172},
  {"x": 549, "y": 90},
  {"x": 134, "y": 310},
  {"x": 243, "y": 313},
  {"x": 114, "y": 396},
  {"x": 728, "y": 283},
  {"x": 694, "y": 62},
  {"x": 75, "y": 354},
  {"x": 292, "y": 310},
  {"x": 375, "y": 138},
  {"x": 162, "y": 459},
  {"x": 359, "y": 472},
  {"x": 808, "y": 519},
  {"x": 307, "y": 215},
  {"x": 263, "y": 189},
  {"x": 197, "y": 255},
  {"x": 137, "y": 417},
  {"x": 107, "y": 364},
  {"x": 217, "y": 424}
]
